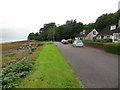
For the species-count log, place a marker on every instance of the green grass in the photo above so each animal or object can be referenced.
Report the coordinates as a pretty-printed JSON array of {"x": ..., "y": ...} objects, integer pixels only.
[{"x": 50, "y": 71}]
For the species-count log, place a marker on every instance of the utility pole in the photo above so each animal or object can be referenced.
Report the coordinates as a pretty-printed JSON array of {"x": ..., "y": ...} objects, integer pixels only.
[{"x": 54, "y": 35}]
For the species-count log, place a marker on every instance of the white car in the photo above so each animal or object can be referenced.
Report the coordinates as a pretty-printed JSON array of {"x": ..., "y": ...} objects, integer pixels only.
[
  {"x": 62, "y": 40},
  {"x": 78, "y": 43}
]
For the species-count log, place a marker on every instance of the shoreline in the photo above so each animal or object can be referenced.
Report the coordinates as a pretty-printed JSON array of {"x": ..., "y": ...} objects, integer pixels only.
[
  {"x": 8, "y": 42},
  {"x": 11, "y": 41}
]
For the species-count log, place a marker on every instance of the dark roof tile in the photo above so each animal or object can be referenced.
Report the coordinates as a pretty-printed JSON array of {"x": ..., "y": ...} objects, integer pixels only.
[{"x": 107, "y": 31}]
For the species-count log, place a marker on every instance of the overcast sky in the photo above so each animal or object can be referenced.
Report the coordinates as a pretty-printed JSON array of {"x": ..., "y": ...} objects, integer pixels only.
[{"x": 20, "y": 17}]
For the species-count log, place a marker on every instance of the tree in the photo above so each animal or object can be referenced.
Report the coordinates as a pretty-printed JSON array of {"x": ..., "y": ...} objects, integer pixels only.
[
  {"x": 31, "y": 36},
  {"x": 106, "y": 20}
]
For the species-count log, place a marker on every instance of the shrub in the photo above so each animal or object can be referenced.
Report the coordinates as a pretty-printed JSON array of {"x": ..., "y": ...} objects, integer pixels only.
[
  {"x": 33, "y": 49},
  {"x": 112, "y": 48},
  {"x": 103, "y": 40},
  {"x": 15, "y": 71},
  {"x": 109, "y": 47},
  {"x": 115, "y": 39},
  {"x": 107, "y": 40},
  {"x": 70, "y": 41}
]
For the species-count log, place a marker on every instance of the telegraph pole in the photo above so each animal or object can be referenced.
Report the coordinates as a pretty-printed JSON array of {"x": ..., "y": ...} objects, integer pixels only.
[{"x": 54, "y": 35}]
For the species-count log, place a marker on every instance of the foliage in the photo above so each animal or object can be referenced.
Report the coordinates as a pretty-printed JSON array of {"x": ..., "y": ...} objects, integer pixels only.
[
  {"x": 50, "y": 71},
  {"x": 90, "y": 42},
  {"x": 70, "y": 41},
  {"x": 9, "y": 46},
  {"x": 103, "y": 40},
  {"x": 51, "y": 32},
  {"x": 106, "y": 20},
  {"x": 11, "y": 58},
  {"x": 33, "y": 49},
  {"x": 13, "y": 72},
  {"x": 72, "y": 28},
  {"x": 112, "y": 48},
  {"x": 109, "y": 47},
  {"x": 89, "y": 26}
]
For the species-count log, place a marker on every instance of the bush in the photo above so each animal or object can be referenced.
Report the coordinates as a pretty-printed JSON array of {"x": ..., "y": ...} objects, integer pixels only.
[
  {"x": 33, "y": 49},
  {"x": 70, "y": 41},
  {"x": 112, "y": 48},
  {"x": 91, "y": 43},
  {"x": 103, "y": 40},
  {"x": 107, "y": 40},
  {"x": 15, "y": 71},
  {"x": 109, "y": 47}
]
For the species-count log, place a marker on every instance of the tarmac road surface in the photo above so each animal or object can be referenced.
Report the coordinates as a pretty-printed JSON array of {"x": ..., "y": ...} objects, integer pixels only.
[{"x": 96, "y": 68}]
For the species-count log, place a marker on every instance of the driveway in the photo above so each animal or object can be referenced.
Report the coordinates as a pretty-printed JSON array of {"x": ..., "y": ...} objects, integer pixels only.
[{"x": 96, "y": 68}]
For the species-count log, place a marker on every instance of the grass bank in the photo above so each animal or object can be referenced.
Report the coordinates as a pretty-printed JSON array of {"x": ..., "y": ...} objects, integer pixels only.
[{"x": 50, "y": 71}]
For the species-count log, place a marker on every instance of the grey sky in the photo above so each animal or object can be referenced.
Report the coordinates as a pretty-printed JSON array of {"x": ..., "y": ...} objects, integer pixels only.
[{"x": 20, "y": 17}]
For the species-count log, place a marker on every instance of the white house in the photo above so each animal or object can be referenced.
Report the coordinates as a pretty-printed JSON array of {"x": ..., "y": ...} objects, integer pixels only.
[
  {"x": 88, "y": 34},
  {"x": 110, "y": 32}
]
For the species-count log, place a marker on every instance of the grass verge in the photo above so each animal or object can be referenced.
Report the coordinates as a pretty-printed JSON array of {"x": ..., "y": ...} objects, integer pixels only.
[{"x": 50, "y": 71}]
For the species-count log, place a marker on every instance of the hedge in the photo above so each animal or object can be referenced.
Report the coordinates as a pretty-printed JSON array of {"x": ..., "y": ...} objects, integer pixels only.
[
  {"x": 94, "y": 44},
  {"x": 71, "y": 41},
  {"x": 103, "y": 40},
  {"x": 109, "y": 47},
  {"x": 112, "y": 48}
]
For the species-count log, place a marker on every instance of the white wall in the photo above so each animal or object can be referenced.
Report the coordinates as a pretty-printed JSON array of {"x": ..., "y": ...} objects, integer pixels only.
[
  {"x": 98, "y": 37},
  {"x": 91, "y": 35}
]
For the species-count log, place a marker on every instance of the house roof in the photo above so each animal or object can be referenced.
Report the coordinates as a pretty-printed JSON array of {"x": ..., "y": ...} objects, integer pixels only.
[
  {"x": 87, "y": 32},
  {"x": 107, "y": 31}
]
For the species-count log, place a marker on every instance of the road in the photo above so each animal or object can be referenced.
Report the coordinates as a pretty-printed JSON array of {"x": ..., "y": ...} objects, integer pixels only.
[{"x": 95, "y": 68}]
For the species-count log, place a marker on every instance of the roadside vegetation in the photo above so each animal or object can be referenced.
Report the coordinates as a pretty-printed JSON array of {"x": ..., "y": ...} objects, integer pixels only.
[
  {"x": 112, "y": 48},
  {"x": 9, "y": 46},
  {"x": 11, "y": 58},
  {"x": 42, "y": 67},
  {"x": 18, "y": 68},
  {"x": 104, "y": 44},
  {"x": 50, "y": 71}
]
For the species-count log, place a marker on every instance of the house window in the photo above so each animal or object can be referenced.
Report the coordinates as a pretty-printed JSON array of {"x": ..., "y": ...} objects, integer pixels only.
[
  {"x": 108, "y": 37},
  {"x": 113, "y": 27},
  {"x": 94, "y": 32},
  {"x": 116, "y": 35}
]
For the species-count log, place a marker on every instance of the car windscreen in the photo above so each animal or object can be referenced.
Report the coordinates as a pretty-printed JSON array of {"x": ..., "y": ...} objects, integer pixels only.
[{"x": 79, "y": 41}]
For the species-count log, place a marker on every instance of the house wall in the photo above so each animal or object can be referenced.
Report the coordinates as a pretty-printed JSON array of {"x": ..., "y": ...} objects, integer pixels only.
[
  {"x": 91, "y": 35},
  {"x": 99, "y": 37},
  {"x": 116, "y": 36},
  {"x": 77, "y": 38},
  {"x": 108, "y": 37}
]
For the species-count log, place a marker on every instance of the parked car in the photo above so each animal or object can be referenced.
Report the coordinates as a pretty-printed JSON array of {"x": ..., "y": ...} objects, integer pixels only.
[
  {"x": 78, "y": 43},
  {"x": 62, "y": 40},
  {"x": 65, "y": 42}
]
